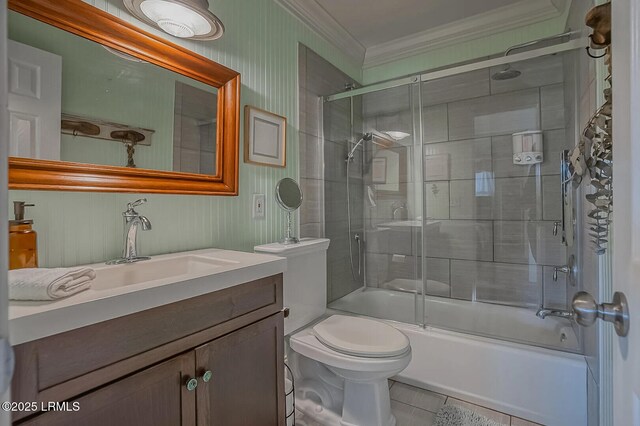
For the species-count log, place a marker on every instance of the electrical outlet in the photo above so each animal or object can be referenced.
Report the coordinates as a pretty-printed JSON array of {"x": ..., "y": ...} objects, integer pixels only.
[{"x": 258, "y": 206}]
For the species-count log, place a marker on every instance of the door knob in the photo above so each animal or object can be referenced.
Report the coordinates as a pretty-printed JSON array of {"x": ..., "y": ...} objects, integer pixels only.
[{"x": 587, "y": 311}]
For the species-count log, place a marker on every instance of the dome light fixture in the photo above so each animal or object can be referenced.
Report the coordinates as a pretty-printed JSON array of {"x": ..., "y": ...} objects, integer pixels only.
[
  {"x": 397, "y": 135},
  {"x": 180, "y": 18}
]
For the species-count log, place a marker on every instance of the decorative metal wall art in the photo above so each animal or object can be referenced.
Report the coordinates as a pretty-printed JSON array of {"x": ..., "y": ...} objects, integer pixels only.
[{"x": 594, "y": 153}]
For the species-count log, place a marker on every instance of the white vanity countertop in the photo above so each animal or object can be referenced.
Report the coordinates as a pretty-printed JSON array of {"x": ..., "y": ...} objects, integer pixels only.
[{"x": 108, "y": 299}]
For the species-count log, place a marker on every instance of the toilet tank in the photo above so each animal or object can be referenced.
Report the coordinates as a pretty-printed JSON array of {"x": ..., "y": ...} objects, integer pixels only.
[{"x": 304, "y": 281}]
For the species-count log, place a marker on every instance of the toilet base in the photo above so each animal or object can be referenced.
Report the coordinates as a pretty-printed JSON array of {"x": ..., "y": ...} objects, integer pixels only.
[
  {"x": 367, "y": 403},
  {"x": 354, "y": 412},
  {"x": 324, "y": 395},
  {"x": 337, "y": 389}
]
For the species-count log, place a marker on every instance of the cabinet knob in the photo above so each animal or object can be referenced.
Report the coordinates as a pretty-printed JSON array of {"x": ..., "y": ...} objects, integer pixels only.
[
  {"x": 206, "y": 376},
  {"x": 192, "y": 384}
]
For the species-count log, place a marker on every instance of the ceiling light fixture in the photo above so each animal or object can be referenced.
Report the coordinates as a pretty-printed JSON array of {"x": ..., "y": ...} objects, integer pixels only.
[
  {"x": 396, "y": 135},
  {"x": 180, "y": 18}
]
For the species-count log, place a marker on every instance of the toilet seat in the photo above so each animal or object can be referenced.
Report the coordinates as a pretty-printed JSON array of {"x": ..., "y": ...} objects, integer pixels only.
[
  {"x": 306, "y": 343},
  {"x": 361, "y": 337}
]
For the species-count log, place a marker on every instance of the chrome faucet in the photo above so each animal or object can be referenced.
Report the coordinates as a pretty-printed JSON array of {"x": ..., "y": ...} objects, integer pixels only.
[
  {"x": 398, "y": 207},
  {"x": 132, "y": 221},
  {"x": 543, "y": 313}
]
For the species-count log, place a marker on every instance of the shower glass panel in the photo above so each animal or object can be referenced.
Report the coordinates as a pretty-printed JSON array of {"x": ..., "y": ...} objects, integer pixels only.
[
  {"x": 492, "y": 149},
  {"x": 373, "y": 204},
  {"x": 453, "y": 197}
]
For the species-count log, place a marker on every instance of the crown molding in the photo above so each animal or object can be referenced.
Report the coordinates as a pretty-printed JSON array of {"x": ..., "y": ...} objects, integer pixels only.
[
  {"x": 315, "y": 17},
  {"x": 523, "y": 13}
]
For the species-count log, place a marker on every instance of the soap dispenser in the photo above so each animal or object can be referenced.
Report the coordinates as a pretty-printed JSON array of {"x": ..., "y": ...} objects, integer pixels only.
[{"x": 23, "y": 240}]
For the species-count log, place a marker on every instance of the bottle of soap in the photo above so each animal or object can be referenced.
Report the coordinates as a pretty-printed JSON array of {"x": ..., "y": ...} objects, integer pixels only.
[{"x": 23, "y": 240}]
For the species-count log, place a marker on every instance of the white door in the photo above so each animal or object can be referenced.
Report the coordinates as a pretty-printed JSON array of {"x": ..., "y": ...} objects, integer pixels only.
[
  {"x": 35, "y": 94},
  {"x": 626, "y": 210}
]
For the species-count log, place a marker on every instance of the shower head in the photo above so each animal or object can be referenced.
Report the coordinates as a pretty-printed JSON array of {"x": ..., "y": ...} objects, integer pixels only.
[
  {"x": 378, "y": 138},
  {"x": 506, "y": 74},
  {"x": 382, "y": 139}
]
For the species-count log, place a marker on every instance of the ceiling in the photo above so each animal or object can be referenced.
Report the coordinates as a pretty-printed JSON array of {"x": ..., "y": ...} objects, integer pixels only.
[
  {"x": 376, "y": 22},
  {"x": 379, "y": 31}
]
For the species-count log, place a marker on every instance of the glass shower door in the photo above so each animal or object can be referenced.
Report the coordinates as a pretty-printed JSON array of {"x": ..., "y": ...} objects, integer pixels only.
[
  {"x": 492, "y": 147},
  {"x": 384, "y": 203}
]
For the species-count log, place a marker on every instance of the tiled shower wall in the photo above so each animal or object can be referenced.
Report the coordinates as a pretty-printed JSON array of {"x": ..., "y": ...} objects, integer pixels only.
[
  {"x": 324, "y": 134},
  {"x": 488, "y": 234}
]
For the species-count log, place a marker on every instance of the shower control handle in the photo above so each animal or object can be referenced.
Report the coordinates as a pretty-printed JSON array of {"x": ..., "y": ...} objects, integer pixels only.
[
  {"x": 570, "y": 269},
  {"x": 586, "y": 311},
  {"x": 563, "y": 269}
]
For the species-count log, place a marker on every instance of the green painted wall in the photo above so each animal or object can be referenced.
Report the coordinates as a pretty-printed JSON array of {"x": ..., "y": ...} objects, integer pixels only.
[
  {"x": 478, "y": 48},
  {"x": 261, "y": 42}
]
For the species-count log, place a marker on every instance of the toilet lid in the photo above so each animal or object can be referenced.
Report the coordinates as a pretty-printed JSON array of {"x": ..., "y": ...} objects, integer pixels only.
[{"x": 361, "y": 337}]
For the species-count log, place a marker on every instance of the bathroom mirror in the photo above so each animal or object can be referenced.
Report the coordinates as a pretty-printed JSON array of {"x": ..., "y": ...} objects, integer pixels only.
[
  {"x": 97, "y": 104},
  {"x": 289, "y": 194},
  {"x": 289, "y": 198}
]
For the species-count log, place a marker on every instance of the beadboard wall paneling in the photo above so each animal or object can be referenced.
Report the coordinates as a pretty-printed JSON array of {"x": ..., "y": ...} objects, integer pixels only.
[{"x": 261, "y": 42}]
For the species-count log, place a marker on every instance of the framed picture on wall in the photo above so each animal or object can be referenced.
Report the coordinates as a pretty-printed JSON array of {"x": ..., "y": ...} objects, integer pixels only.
[
  {"x": 265, "y": 137},
  {"x": 379, "y": 170}
]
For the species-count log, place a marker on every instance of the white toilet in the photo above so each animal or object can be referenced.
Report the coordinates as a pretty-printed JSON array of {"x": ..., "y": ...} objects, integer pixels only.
[{"x": 341, "y": 364}]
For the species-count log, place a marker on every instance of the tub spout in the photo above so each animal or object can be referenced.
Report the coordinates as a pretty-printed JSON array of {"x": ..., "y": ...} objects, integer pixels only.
[{"x": 543, "y": 313}]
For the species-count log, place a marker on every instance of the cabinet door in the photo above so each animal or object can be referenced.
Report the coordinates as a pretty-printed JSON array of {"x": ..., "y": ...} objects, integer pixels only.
[
  {"x": 156, "y": 396},
  {"x": 247, "y": 377}
]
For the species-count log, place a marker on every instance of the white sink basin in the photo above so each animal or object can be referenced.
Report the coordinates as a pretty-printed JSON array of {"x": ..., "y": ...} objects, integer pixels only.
[
  {"x": 120, "y": 290},
  {"x": 113, "y": 276}
]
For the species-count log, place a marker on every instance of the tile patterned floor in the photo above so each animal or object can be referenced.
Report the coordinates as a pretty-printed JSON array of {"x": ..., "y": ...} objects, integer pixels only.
[
  {"x": 413, "y": 406},
  {"x": 418, "y": 407}
]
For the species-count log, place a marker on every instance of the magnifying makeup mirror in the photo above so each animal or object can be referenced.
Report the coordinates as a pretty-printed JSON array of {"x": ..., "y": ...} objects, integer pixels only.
[{"x": 289, "y": 198}]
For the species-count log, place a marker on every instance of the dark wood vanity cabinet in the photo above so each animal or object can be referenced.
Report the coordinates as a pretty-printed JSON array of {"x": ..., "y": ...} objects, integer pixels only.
[
  {"x": 246, "y": 383},
  {"x": 237, "y": 365},
  {"x": 154, "y": 396}
]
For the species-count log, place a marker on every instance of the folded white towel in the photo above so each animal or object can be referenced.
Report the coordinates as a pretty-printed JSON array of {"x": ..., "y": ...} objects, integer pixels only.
[{"x": 48, "y": 283}]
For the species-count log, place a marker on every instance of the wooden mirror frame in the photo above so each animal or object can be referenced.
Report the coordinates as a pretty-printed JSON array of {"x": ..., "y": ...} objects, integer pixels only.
[{"x": 84, "y": 20}]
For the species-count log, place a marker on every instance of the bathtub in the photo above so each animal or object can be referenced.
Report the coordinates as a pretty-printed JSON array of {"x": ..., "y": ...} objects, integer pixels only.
[
  {"x": 539, "y": 384},
  {"x": 486, "y": 319}
]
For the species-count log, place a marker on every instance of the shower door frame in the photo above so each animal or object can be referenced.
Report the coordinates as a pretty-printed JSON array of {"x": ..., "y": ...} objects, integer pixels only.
[
  {"x": 420, "y": 313},
  {"x": 579, "y": 43}
]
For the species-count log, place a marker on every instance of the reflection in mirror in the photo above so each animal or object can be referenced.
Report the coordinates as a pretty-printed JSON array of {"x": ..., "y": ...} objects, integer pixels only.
[
  {"x": 289, "y": 197},
  {"x": 77, "y": 101},
  {"x": 194, "y": 132},
  {"x": 389, "y": 170}
]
